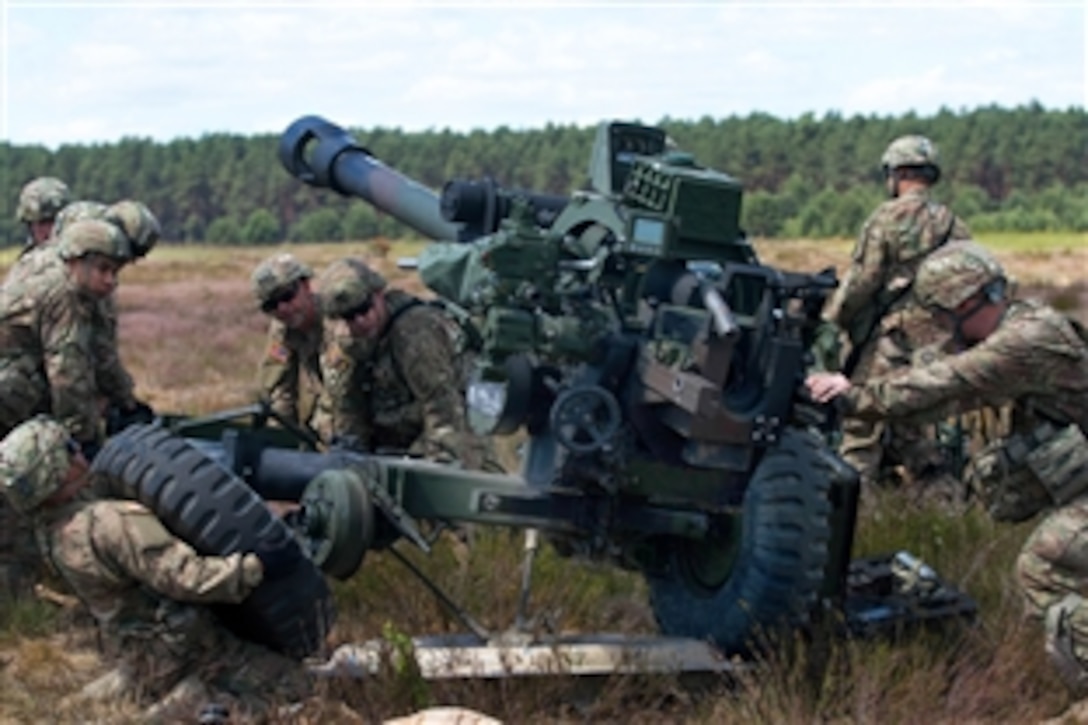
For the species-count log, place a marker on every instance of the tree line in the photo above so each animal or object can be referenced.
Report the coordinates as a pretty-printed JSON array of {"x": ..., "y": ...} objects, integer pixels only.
[{"x": 1003, "y": 169}]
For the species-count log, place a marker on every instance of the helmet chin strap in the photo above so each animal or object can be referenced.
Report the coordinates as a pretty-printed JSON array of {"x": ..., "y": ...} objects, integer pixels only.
[{"x": 891, "y": 183}]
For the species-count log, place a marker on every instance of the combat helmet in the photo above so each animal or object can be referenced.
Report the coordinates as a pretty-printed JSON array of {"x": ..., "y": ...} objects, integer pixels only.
[
  {"x": 34, "y": 458},
  {"x": 346, "y": 285},
  {"x": 956, "y": 272},
  {"x": 42, "y": 199},
  {"x": 138, "y": 223},
  {"x": 276, "y": 274},
  {"x": 77, "y": 211},
  {"x": 913, "y": 150},
  {"x": 93, "y": 236}
]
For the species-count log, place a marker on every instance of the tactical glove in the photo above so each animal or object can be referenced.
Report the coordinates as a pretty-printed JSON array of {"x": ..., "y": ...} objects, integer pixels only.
[
  {"x": 279, "y": 560},
  {"x": 117, "y": 419},
  {"x": 89, "y": 449}
]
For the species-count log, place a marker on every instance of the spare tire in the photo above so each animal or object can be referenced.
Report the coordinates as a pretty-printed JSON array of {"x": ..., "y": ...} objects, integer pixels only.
[
  {"x": 214, "y": 511},
  {"x": 766, "y": 571}
]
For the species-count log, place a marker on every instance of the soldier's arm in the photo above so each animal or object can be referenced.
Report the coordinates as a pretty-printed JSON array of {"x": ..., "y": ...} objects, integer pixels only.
[
  {"x": 278, "y": 373},
  {"x": 344, "y": 401},
  {"x": 424, "y": 350},
  {"x": 863, "y": 279},
  {"x": 65, "y": 332},
  {"x": 114, "y": 381},
  {"x": 997, "y": 370},
  {"x": 133, "y": 540}
]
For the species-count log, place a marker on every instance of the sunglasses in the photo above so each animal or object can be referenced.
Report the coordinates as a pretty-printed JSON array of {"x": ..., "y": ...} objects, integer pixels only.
[
  {"x": 275, "y": 300},
  {"x": 359, "y": 310}
]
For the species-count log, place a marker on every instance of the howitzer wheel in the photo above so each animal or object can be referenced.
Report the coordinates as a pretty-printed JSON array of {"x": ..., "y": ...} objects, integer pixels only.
[
  {"x": 337, "y": 521},
  {"x": 735, "y": 587},
  {"x": 585, "y": 418},
  {"x": 204, "y": 504}
]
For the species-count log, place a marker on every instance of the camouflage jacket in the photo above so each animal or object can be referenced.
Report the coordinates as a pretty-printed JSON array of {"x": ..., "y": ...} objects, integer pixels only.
[
  {"x": 1036, "y": 359},
  {"x": 291, "y": 366},
  {"x": 122, "y": 563},
  {"x": 894, "y": 240},
  {"x": 113, "y": 380},
  {"x": 402, "y": 391},
  {"x": 46, "y": 363}
]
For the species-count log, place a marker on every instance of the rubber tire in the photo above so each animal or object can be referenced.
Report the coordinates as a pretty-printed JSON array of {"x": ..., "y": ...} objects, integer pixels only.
[
  {"x": 215, "y": 512},
  {"x": 779, "y": 568}
]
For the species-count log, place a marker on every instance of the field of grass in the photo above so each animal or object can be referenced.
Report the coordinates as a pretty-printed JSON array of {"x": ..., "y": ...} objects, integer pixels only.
[{"x": 191, "y": 335}]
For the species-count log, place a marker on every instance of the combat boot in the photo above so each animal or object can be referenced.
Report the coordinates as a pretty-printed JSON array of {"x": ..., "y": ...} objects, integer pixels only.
[
  {"x": 114, "y": 685},
  {"x": 180, "y": 703}
]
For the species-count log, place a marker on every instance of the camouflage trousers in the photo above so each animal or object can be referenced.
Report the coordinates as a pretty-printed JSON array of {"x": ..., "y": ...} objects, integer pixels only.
[
  {"x": 187, "y": 658},
  {"x": 1052, "y": 571}
]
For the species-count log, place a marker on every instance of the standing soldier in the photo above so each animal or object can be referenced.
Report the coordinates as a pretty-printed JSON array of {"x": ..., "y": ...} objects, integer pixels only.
[
  {"x": 392, "y": 370},
  {"x": 290, "y": 366},
  {"x": 1027, "y": 354},
  {"x": 145, "y": 588},
  {"x": 39, "y": 203},
  {"x": 46, "y": 363},
  {"x": 873, "y": 306}
]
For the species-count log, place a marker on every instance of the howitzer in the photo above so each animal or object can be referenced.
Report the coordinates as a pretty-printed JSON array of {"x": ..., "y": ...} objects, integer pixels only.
[{"x": 653, "y": 364}]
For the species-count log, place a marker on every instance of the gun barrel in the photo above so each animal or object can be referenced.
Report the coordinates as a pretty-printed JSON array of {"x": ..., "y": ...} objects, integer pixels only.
[{"x": 322, "y": 154}]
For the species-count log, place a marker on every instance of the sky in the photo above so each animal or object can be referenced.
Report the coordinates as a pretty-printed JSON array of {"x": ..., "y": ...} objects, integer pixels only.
[{"x": 97, "y": 72}]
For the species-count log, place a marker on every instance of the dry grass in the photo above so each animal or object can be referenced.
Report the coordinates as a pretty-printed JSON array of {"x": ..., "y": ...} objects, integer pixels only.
[{"x": 191, "y": 335}]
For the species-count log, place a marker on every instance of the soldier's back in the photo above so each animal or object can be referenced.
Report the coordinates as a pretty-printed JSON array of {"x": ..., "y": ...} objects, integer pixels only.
[{"x": 912, "y": 225}]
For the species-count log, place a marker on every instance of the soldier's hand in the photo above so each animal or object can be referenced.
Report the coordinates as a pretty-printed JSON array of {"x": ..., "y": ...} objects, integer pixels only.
[
  {"x": 138, "y": 413},
  {"x": 824, "y": 387},
  {"x": 89, "y": 449},
  {"x": 141, "y": 412},
  {"x": 279, "y": 560}
]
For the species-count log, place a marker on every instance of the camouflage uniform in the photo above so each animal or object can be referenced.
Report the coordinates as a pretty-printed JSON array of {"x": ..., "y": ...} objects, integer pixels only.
[
  {"x": 289, "y": 373},
  {"x": 894, "y": 240},
  {"x": 1036, "y": 359},
  {"x": 115, "y": 384},
  {"x": 143, "y": 586},
  {"x": 45, "y": 366},
  {"x": 403, "y": 390},
  {"x": 46, "y": 362}
]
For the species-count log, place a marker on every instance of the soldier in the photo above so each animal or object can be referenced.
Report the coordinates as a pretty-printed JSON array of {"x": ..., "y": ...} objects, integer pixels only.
[
  {"x": 142, "y": 230},
  {"x": 391, "y": 368},
  {"x": 39, "y": 203},
  {"x": 145, "y": 587},
  {"x": 33, "y": 259},
  {"x": 45, "y": 324},
  {"x": 875, "y": 310},
  {"x": 291, "y": 361},
  {"x": 1027, "y": 354}
]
